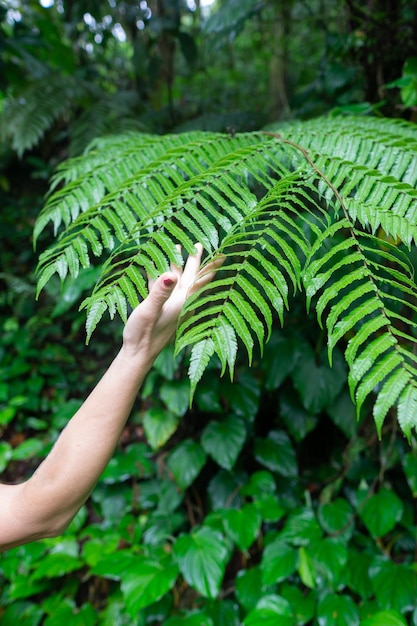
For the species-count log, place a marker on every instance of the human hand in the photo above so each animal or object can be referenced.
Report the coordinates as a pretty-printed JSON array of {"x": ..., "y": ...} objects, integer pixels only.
[{"x": 152, "y": 324}]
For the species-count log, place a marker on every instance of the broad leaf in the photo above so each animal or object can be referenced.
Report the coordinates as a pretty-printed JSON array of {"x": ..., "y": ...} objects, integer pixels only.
[
  {"x": 223, "y": 612},
  {"x": 277, "y": 453},
  {"x": 301, "y": 527},
  {"x": 224, "y": 440},
  {"x": 385, "y": 618},
  {"x": 337, "y": 610},
  {"x": 329, "y": 557},
  {"x": 271, "y": 611},
  {"x": 357, "y": 573},
  {"x": 279, "y": 560},
  {"x": 176, "y": 396},
  {"x": 381, "y": 512},
  {"x": 159, "y": 424},
  {"x": 148, "y": 582},
  {"x": 394, "y": 584},
  {"x": 249, "y": 587},
  {"x": 202, "y": 557},
  {"x": 224, "y": 490},
  {"x": 303, "y": 605},
  {"x": 242, "y": 525},
  {"x": 186, "y": 461},
  {"x": 318, "y": 385},
  {"x": 337, "y": 517}
]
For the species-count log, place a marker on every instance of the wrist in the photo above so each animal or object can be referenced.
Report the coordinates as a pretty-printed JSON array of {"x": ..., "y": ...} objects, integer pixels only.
[{"x": 140, "y": 361}]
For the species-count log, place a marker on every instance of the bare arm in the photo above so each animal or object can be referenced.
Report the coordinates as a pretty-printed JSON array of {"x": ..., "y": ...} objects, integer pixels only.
[{"x": 45, "y": 504}]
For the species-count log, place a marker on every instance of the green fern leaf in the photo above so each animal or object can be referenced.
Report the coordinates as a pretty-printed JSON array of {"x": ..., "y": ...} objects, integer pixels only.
[
  {"x": 407, "y": 410},
  {"x": 225, "y": 343},
  {"x": 200, "y": 356},
  {"x": 95, "y": 313},
  {"x": 388, "y": 395},
  {"x": 363, "y": 363},
  {"x": 239, "y": 323},
  {"x": 257, "y": 299},
  {"x": 380, "y": 370}
]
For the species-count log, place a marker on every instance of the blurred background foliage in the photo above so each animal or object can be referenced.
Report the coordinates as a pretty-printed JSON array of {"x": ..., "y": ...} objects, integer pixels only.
[{"x": 266, "y": 501}]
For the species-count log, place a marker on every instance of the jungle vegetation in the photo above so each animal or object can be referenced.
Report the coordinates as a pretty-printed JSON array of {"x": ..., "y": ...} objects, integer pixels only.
[{"x": 268, "y": 473}]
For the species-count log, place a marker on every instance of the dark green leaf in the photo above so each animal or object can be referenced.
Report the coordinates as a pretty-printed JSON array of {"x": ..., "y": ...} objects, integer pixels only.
[
  {"x": 243, "y": 395},
  {"x": 298, "y": 421},
  {"x": 394, "y": 584},
  {"x": 242, "y": 525},
  {"x": 279, "y": 560},
  {"x": 5, "y": 454},
  {"x": 319, "y": 385},
  {"x": 55, "y": 565},
  {"x": 223, "y": 613},
  {"x": 329, "y": 557},
  {"x": 186, "y": 461},
  {"x": 280, "y": 357},
  {"x": 260, "y": 483},
  {"x": 22, "y": 613},
  {"x": 410, "y": 469},
  {"x": 269, "y": 508},
  {"x": 303, "y": 604},
  {"x": 28, "y": 449},
  {"x": 224, "y": 490},
  {"x": 78, "y": 616},
  {"x": 135, "y": 460},
  {"x": 271, "y": 611},
  {"x": 277, "y": 453},
  {"x": 381, "y": 512},
  {"x": 223, "y": 441},
  {"x": 301, "y": 527},
  {"x": 385, "y": 618},
  {"x": 176, "y": 395},
  {"x": 159, "y": 424},
  {"x": 357, "y": 573},
  {"x": 202, "y": 558},
  {"x": 337, "y": 610},
  {"x": 343, "y": 413},
  {"x": 111, "y": 567},
  {"x": 249, "y": 587},
  {"x": 148, "y": 582},
  {"x": 337, "y": 518}
]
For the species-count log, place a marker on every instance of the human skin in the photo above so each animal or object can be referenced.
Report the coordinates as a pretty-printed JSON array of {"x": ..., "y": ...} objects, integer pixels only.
[{"x": 44, "y": 505}]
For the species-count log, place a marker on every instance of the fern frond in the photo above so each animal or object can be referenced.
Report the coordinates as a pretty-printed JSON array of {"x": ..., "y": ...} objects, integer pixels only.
[
  {"x": 370, "y": 297},
  {"x": 27, "y": 116},
  {"x": 327, "y": 206}
]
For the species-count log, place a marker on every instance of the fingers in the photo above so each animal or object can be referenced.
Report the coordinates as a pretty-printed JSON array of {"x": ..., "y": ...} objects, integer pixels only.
[
  {"x": 206, "y": 275},
  {"x": 161, "y": 289},
  {"x": 190, "y": 279},
  {"x": 192, "y": 266}
]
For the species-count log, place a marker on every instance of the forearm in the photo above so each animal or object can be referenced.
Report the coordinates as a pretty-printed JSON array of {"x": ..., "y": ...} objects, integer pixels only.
[{"x": 66, "y": 477}]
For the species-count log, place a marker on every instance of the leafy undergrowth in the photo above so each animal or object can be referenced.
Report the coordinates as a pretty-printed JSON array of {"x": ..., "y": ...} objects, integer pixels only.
[{"x": 265, "y": 502}]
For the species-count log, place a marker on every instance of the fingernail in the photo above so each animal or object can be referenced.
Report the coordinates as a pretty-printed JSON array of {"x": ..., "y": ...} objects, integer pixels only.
[{"x": 168, "y": 282}]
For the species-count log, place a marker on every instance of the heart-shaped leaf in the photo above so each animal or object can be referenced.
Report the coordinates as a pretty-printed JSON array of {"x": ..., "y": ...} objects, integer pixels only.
[{"x": 202, "y": 558}]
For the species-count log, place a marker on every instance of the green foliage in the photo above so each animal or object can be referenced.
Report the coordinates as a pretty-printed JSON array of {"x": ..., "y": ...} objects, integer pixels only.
[
  {"x": 265, "y": 501},
  {"x": 326, "y": 206}
]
